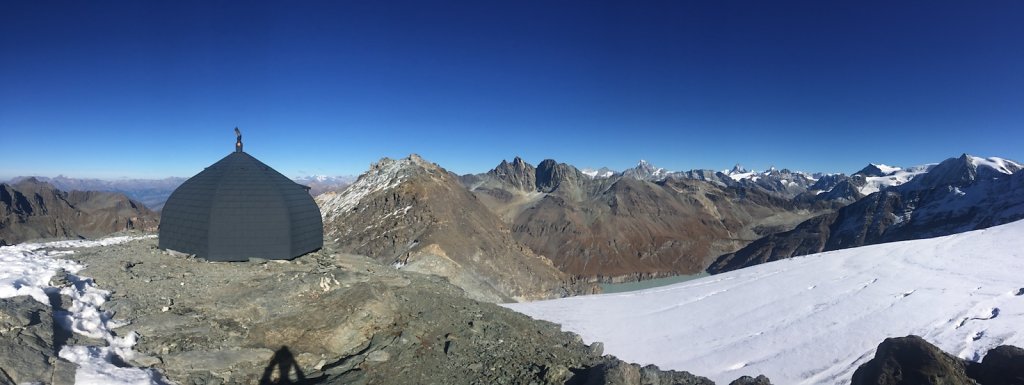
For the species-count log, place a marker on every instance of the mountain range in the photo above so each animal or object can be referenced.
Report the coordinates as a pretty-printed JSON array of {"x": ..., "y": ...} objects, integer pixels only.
[
  {"x": 642, "y": 222},
  {"x": 33, "y": 209},
  {"x": 954, "y": 196},
  {"x": 567, "y": 225}
]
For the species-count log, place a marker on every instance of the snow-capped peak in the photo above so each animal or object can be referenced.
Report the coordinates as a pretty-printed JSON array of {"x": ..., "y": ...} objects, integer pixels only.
[
  {"x": 738, "y": 173},
  {"x": 601, "y": 173},
  {"x": 646, "y": 171},
  {"x": 885, "y": 169},
  {"x": 737, "y": 169},
  {"x": 1000, "y": 165}
]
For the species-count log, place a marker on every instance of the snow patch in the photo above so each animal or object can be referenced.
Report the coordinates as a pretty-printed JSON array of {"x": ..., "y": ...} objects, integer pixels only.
[
  {"x": 27, "y": 268},
  {"x": 885, "y": 169}
]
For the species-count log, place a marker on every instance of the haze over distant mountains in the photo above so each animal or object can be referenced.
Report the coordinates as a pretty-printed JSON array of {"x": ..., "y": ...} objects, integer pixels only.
[
  {"x": 154, "y": 192},
  {"x": 32, "y": 209}
]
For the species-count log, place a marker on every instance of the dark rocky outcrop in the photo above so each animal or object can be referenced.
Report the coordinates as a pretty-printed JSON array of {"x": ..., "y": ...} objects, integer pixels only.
[
  {"x": 616, "y": 372},
  {"x": 1002, "y": 365},
  {"x": 911, "y": 360},
  {"x": 31, "y": 209},
  {"x": 747, "y": 380}
]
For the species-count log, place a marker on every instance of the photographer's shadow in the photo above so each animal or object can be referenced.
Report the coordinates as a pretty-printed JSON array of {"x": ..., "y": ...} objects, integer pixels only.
[{"x": 288, "y": 371}]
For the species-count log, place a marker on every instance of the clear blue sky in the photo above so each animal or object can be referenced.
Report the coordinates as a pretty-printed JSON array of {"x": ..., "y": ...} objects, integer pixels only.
[{"x": 154, "y": 89}]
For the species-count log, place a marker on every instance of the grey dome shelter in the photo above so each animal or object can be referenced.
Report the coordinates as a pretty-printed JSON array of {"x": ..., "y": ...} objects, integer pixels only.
[{"x": 240, "y": 208}]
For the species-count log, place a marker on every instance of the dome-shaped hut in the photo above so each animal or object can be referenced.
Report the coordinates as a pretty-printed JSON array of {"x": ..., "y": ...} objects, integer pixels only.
[{"x": 240, "y": 208}]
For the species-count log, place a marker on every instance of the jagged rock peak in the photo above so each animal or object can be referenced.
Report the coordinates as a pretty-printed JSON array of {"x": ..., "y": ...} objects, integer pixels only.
[
  {"x": 551, "y": 174},
  {"x": 386, "y": 164},
  {"x": 519, "y": 174},
  {"x": 738, "y": 169}
]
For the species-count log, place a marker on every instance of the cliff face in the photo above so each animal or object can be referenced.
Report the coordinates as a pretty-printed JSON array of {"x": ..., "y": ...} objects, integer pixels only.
[{"x": 31, "y": 209}]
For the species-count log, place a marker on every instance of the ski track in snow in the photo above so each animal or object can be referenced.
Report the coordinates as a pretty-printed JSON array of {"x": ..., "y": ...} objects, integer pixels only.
[
  {"x": 27, "y": 268},
  {"x": 815, "y": 319}
]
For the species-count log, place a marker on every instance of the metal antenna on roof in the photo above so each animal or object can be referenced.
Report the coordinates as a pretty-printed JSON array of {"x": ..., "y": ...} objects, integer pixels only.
[{"x": 238, "y": 140}]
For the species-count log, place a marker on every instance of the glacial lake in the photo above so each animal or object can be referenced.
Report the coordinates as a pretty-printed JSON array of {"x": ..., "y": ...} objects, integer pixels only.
[{"x": 647, "y": 284}]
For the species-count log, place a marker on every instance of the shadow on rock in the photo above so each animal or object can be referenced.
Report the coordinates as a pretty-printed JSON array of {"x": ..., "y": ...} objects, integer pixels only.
[{"x": 288, "y": 371}]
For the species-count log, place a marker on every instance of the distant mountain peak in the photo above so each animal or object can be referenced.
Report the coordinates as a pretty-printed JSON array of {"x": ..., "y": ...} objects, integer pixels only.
[
  {"x": 518, "y": 173},
  {"x": 601, "y": 173},
  {"x": 644, "y": 170},
  {"x": 965, "y": 170},
  {"x": 877, "y": 170}
]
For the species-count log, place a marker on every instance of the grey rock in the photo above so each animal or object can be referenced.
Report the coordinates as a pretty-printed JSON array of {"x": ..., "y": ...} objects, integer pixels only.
[
  {"x": 747, "y": 380},
  {"x": 28, "y": 352}
]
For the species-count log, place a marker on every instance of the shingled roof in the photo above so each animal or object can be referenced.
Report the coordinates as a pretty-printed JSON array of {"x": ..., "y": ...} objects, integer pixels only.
[{"x": 240, "y": 208}]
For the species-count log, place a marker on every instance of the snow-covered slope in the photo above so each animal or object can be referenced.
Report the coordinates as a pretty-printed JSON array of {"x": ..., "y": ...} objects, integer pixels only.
[{"x": 815, "y": 319}]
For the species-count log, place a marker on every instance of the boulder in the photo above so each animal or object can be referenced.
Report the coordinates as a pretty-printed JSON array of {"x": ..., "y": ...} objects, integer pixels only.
[
  {"x": 1003, "y": 365},
  {"x": 911, "y": 360}
]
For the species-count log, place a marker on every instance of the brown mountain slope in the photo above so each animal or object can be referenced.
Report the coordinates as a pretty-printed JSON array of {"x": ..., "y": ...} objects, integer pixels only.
[
  {"x": 417, "y": 216},
  {"x": 635, "y": 228},
  {"x": 31, "y": 209}
]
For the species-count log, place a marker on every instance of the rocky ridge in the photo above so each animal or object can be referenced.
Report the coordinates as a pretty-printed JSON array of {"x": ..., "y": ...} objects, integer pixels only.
[{"x": 416, "y": 216}]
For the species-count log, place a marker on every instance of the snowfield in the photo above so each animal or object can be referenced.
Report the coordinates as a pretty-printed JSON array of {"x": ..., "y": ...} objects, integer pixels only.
[
  {"x": 815, "y": 319},
  {"x": 27, "y": 268},
  {"x": 894, "y": 176}
]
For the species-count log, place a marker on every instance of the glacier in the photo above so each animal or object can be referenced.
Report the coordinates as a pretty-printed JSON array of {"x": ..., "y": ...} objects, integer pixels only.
[{"x": 815, "y": 319}]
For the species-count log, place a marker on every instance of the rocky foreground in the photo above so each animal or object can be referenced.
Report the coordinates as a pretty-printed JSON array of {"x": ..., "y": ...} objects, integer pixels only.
[
  {"x": 326, "y": 317},
  {"x": 334, "y": 318}
]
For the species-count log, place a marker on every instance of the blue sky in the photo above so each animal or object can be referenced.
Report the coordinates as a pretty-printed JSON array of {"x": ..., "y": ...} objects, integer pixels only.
[{"x": 154, "y": 89}]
